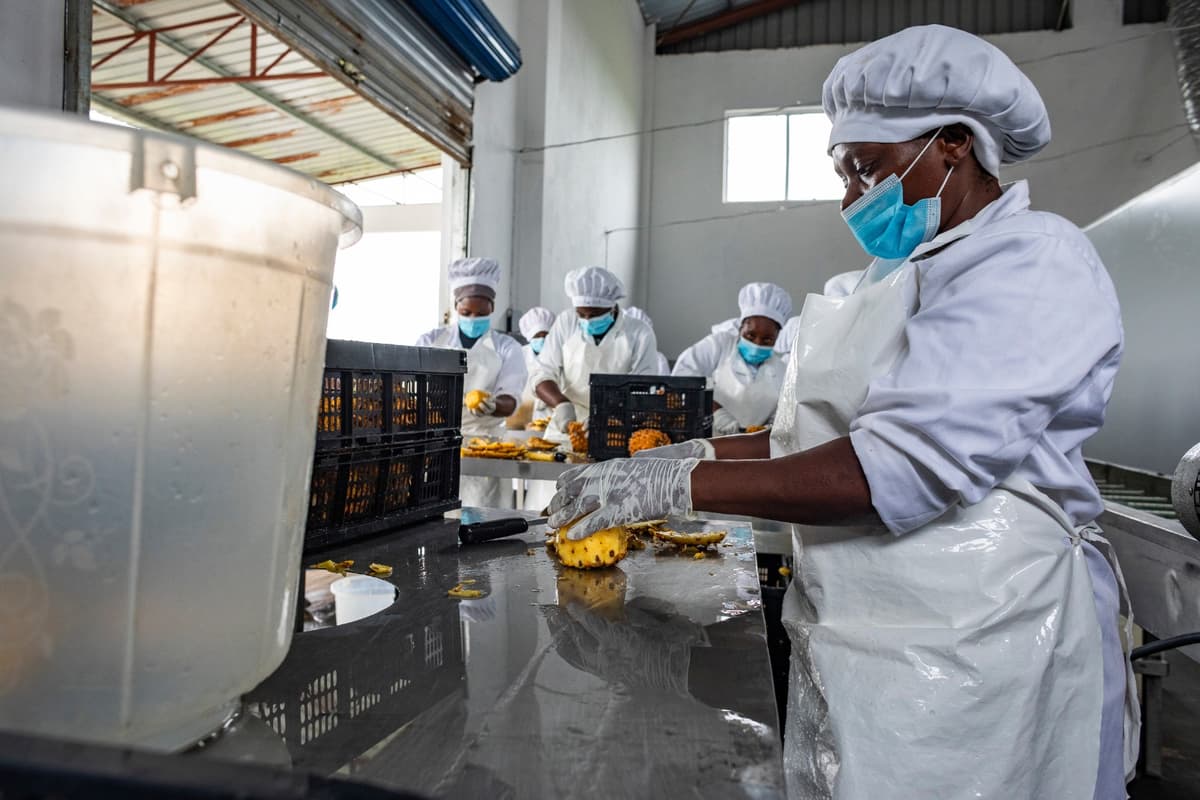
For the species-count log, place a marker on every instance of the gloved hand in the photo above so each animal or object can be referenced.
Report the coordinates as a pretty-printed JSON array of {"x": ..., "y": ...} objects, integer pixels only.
[
  {"x": 563, "y": 414},
  {"x": 621, "y": 491},
  {"x": 724, "y": 423},
  {"x": 486, "y": 408},
  {"x": 693, "y": 448}
]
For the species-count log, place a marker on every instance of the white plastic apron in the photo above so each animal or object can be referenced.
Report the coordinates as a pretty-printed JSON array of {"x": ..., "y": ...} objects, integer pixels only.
[
  {"x": 960, "y": 660},
  {"x": 582, "y": 356},
  {"x": 483, "y": 368},
  {"x": 751, "y": 398}
]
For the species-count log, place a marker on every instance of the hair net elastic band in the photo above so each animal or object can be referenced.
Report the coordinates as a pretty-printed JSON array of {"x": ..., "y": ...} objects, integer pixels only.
[
  {"x": 475, "y": 290},
  {"x": 894, "y": 125}
]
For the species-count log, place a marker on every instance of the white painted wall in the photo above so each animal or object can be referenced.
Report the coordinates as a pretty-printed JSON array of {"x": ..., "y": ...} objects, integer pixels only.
[
  {"x": 1118, "y": 130},
  {"x": 31, "y": 53},
  {"x": 542, "y": 201}
]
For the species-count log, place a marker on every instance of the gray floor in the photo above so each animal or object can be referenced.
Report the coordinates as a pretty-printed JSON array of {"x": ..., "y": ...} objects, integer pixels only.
[{"x": 1181, "y": 737}]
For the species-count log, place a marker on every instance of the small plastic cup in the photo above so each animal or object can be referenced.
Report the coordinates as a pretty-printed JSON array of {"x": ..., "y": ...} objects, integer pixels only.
[{"x": 358, "y": 596}]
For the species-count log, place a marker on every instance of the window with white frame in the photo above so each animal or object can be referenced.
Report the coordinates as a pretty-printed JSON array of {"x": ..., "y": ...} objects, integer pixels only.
[{"x": 776, "y": 156}]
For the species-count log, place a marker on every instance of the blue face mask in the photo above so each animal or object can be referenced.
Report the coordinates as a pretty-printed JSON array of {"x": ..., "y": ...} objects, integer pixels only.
[
  {"x": 885, "y": 226},
  {"x": 597, "y": 326},
  {"x": 537, "y": 344},
  {"x": 753, "y": 354},
  {"x": 474, "y": 327}
]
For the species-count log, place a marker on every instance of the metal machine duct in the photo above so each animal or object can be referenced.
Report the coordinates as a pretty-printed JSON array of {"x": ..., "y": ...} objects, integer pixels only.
[
  {"x": 1184, "y": 19},
  {"x": 471, "y": 30}
]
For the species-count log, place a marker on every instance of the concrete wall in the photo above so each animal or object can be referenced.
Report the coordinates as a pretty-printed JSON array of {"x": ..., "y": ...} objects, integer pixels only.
[
  {"x": 1118, "y": 130},
  {"x": 542, "y": 198},
  {"x": 31, "y": 53}
]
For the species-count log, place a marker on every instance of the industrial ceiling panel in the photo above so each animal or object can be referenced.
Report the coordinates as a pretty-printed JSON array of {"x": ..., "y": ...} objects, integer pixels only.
[
  {"x": 203, "y": 68},
  {"x": 762, "y": 24}
]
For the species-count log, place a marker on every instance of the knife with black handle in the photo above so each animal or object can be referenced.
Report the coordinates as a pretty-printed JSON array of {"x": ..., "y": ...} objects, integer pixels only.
[{"x": 478, "y": 532}]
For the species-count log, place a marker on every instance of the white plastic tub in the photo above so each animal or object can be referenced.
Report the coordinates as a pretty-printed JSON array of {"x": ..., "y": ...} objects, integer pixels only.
[
  {"x": 358, "y": 596},
  {"x": 162, "y": 322}
]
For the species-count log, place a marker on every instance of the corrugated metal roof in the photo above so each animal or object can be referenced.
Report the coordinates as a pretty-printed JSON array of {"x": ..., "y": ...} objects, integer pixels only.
[
  {"x": 814, "y": 22},
  {"x": 673, "y": 13},
  {"x": 316, "y": 125}
]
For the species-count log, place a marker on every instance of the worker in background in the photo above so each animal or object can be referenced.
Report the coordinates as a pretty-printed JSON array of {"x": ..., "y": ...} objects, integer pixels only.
[
  {"x": 535, "y": 326},
  {"x": 742, "y": 366},
  {"x": 953, "y": 609},
  {"x": 595, "y": 336},
  {"x": 494, "y": 366},
  {"x": 664, "y": 366}
]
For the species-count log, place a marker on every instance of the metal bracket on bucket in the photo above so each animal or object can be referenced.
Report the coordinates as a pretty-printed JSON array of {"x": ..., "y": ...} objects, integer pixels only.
[{"x": 164, "y": 166}]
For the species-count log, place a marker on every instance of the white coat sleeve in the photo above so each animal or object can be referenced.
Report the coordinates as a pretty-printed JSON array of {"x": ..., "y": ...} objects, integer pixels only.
[
  {"x": 428, "y": 338},
  {"x": 997, "y": 349},
  {"x": 550, "y": 360},
  {"x": 701, "y": 359},
  {"x": 511, "y": 380},
  {"x": 645, "y": 352},
  {"x": 664, "y": 367}
]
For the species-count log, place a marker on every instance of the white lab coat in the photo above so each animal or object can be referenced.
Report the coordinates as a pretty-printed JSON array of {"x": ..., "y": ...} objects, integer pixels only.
[
  {"x": 540, "y": 411},
  {"x": 748, "y": 393},
  {"x": 569, "y": 357},
  {"x": 966, "y": 380},
  {"x": 494, "y": 365},
  {"x": 664, "y": 366}
]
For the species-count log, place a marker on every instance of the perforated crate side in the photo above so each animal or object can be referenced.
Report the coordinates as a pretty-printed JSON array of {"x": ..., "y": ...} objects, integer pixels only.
[
  {"x": 328, "y": 701},
  {"x": 380, "y": 488},
  {"x": 680, "y": 407}
]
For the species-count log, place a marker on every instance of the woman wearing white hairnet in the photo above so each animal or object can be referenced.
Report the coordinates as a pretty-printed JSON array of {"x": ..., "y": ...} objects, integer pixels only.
[
  {"x": 664, "y": 367},
  {"x": 494, "y": 365},
  {"x": 954, "y": 611},
  {"x": 535, "y": 325},
  {"x": 595, "y": 336},
  {"x": 742, "y": 365}
]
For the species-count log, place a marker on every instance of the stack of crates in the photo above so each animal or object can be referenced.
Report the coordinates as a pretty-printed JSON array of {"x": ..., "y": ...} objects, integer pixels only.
[
  {"x": 388, "y": 438},
  {"x": 680, "y": 407}
]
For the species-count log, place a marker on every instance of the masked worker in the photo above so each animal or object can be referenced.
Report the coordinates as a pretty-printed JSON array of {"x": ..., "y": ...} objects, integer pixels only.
[
  {"x": 535, "y": 325},
  {"x": 664, "y": 367},
  {"x": 742, "y": 366},
  {"x": 495, "y": 366},
  {"x": 954, "y": 609},
  {"x": 595, "y": 336}
]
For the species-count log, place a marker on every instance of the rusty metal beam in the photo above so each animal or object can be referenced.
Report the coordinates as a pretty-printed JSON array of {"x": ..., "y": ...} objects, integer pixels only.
[
  {"x": 109, "y": 8},
  {"x": 723, "y": 20},
  {"x": 242, "y": 79}
]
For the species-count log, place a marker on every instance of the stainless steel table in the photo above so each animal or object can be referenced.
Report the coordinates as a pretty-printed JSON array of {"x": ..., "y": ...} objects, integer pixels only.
[
  {"x": 648, "y": 679},
  {"x": 517, "y": 470}
]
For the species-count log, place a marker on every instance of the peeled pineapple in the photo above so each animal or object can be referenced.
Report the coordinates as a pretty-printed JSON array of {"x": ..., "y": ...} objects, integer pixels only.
[
  {"x": 647, "y": 438},
  {"x": 475, "y": 398},
  {"x": 601, "y": 549}
]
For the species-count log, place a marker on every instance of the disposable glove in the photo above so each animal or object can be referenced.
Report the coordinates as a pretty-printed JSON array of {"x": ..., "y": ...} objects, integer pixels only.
[
  {"x": 563, "y": 414},
  {"x": 619, "y": 492},
  {"x": 692, "y": 448},
  {"x": 486, "y": 408},
  {"x": 724, "y": 423}
]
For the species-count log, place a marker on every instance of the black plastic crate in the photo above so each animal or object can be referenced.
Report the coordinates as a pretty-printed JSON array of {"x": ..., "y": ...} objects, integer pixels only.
[
  {"x": 621, "y": 404},
  {"x": 374, "y": 394},
  {"x": 363, "y": 490},
  {"x": 336, "y": 692}
]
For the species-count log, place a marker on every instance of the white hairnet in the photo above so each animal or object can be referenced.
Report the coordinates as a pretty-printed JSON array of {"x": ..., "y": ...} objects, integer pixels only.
[
  {"x": 636, "y": 313},
  {"x": 535, "y": 320},
  {"x": 765, "y": 300},
  {"x": 466, "y": 272},
  {"x": 593, "y": 287},
  {"x": 922, "y": 78}
]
